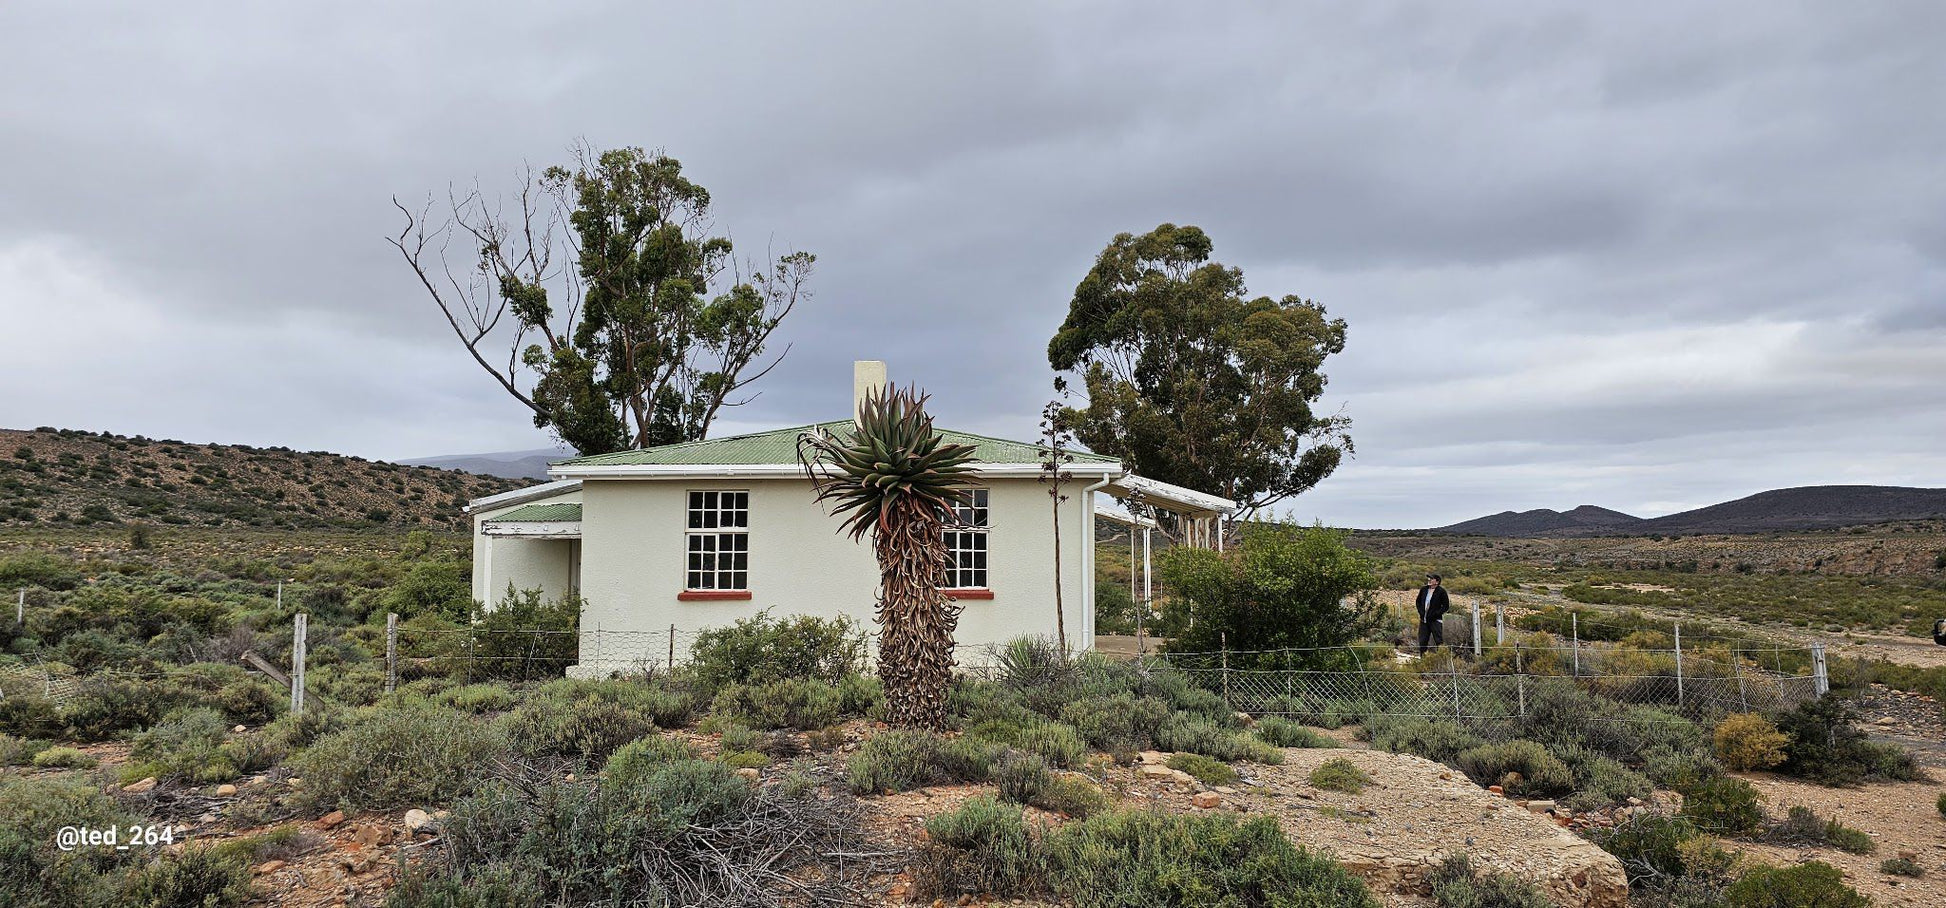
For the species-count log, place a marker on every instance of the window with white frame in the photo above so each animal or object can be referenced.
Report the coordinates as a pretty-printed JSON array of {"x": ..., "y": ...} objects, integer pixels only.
[
  {"x": 719, "y": 541},
  {"x": 966, "y": 544}
]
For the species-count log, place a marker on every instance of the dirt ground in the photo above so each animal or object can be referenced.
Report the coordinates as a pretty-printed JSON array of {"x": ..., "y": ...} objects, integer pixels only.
[{"x": 1901, "y": 818}]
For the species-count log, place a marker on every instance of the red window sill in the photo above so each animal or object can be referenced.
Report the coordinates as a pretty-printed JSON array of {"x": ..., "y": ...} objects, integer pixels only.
[
  {"x": 968, "y": 594},
  {"x": 712, "y": 595}
]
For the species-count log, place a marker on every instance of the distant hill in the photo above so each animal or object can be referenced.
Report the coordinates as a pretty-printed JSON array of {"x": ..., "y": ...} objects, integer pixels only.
[
  {"x": 1544, "y": 520},
  {"x": 1806, "y": 508},
  {"x": 67, "y": 477},
  {"x": 1779, "y": 510},
  {"x": 507, "y": 464}
]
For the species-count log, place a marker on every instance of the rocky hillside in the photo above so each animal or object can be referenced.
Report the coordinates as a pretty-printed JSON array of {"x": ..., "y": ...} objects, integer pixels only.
[{"x": 66, "y": 477}]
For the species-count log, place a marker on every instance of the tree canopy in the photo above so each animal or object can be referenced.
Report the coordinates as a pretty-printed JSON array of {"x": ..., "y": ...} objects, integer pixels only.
[
  {"x": 626, "y": 322},
  {"x": 1287, "y": 587},
  {"x": 1190, "y": 381}
]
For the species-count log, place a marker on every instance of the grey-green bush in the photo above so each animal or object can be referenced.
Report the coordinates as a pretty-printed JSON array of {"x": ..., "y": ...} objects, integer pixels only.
[{"x": 404, "y": 756}]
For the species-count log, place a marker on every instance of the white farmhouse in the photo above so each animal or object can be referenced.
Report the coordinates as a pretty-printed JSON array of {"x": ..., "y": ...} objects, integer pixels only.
[{"x": 663, "y": 542}]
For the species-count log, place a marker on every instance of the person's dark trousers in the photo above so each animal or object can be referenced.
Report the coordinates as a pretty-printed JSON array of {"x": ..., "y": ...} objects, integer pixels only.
[{"x": 1431, "y": 633}]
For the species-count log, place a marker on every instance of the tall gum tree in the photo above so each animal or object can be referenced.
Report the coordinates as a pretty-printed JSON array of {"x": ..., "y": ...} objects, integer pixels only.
[
  {"x": 1190, "y": 381},
  {"x": 623, "y": 321}
]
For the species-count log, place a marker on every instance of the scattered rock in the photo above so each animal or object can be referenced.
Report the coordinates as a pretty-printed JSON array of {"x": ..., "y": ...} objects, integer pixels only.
[
  {"x": 270, "y": 867},
  {"x": 331, "y": 820},
  {"x": 226, "y": 791},
  {"x": 1207, "y": 800},
  {"x": 371, "y": 835},
  {"x": 239, "y": 730},
  {"x": 417, "y": 821},
  {"x": 140, "y": 787},
  {"x": 748, "y": 772},
  {"x": 1153, "y": 758},
  {"x": 1156, "y": 771},
  {"x": 1539, "y": 806}
]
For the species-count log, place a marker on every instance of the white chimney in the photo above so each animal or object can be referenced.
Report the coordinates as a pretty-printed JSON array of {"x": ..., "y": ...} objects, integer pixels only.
[{"x": 867, "y": 375}]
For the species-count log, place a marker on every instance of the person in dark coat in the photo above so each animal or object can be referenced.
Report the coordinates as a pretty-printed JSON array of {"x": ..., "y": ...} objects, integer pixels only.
[{"x": 1432, "y": 605}]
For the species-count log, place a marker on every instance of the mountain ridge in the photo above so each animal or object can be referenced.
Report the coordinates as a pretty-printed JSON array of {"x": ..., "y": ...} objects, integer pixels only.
[{"x": 1776, "y": 510}]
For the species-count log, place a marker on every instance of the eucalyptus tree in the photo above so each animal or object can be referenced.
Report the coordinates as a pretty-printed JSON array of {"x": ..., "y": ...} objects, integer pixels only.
[{"x": 600, "y": 300}]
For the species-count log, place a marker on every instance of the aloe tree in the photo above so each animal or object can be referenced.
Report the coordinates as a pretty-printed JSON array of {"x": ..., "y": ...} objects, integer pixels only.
[{"x": 897, "y": 479}]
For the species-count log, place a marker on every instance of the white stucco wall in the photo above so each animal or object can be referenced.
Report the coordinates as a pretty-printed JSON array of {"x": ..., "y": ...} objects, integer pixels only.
[
  {"x": 633, "y": 559},
  {"x": 544, "y": 564}
]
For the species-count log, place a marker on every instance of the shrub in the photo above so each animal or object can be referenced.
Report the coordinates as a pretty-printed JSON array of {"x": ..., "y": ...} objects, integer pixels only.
[
  {"x": 1802, "y": 825},
  {"x": 1022, "y": 778},
  {"x": 799, "y": 703},
  {"x": 33, "y": 872},
  {"x": 761, "y": 649},
  {"x": 1072, "y": 795},
  {"x": 1455, "y": 884},
  {"x": 1724, "y": 805},
  {"x": 1206, "y": 770},
  {"x": 1679, "y": 769},
  {"x": 1145, "y": 859},
  {"x": 585, "y": 727},
  {"x": 1746, "y": 741},
  {"x": 901, "y": 760},
  {"x": 63, "y": 758},
  {"x": 1434, "y": 739},
  {"x": 29, "y": 716},
  {"x": 189, "y": 744},
  {"x": 1281, "y": 732},
  {"x": 860, "y": 695},
  {"x": 1340, "y": 774},
  {"x": 636, "y": 760},
  {"x": 1518, "y": 767},
  {"x": 476, "y": 698},
  {"x": 1941, "y": 804},
  {"x": 20, "y": 751},
  {"x": 1901, "y": 867},
  {"x": 1828, "y": 748},
  {"x": 403, "y": 756},
  {"x": 1059, "y": 744},
  {"x": 1649, "y": 845},
  {"x": 1602, "y": 782},
  {"x": 981, "y": 848},
  {"x": 1193, "y": 734},
  {"x": 196, "y": 876},
  {"x": 1119, "y": 723},
  {"x": 1284, "y": 586},
  {"x": 1813, "y": 884},
  {"x": 523, "y": 636}
]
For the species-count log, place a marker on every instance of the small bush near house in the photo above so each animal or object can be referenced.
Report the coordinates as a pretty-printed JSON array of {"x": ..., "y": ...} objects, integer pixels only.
[
  {"x": 476, "y": 698},
  {"x": 1144, "y": 859},
  {"x": 983, "y": 848},
  {"x": 585, "y": 728},
  {"x": 63, "y": 758},
  {"x": 189, "y": 744},
  {"x": 1281, "y": 732},
  {"x": 1456, "y": 884},
  {"x": 901, "y": 760},
  {"x": 404, "y": 756},
  {"x": 196, "y": 876},
  {"x": 1340, "y": 774},
  {"x": 1022, "y": 778},
  {"x": 1519, "y": 767},
  {"x": 1723, "y": 805},
  {"x": 1206, "y": 770},
  {"x": 1802, "y": 826},
  {"x": 1827, "y": 747},
  {"x": 34, "y": 873},
  {"x": 1433, "y": 739},
  {"x": 20, "y": 751},
  {"x": 762, "y": 649},
  {"x": 799, "y": 703},
  {"x": 1813, "y": 884},
  {"x": 1193, "y": 734},
  {"x": 1284, "y": 586},
  {"x": 1901, "y": 867},
  {"x": 1746, "y": 741},
  {"x": 637, "y": 759}
]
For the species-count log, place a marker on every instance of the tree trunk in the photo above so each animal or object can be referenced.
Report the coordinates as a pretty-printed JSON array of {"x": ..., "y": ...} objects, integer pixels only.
[{"x": 916, "y": 620}]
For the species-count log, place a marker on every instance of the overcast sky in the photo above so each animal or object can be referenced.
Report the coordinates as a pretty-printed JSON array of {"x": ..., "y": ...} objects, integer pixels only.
[{"x": 1648, "y": 256}]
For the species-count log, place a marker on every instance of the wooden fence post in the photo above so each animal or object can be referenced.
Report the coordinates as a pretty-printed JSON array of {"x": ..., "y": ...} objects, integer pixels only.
[
  {"x": 1499, "y": 624},
  {"x": 391, "y": 652},
  {"x": 1736, "y": 665},
  {"x": 300, "y": 632},
  {"x": 1574, "y": 621},
  {"x": 672, "y": 646},
  {"x": 1520, "y": 678},
  {"x": 1223, "y": 637},
  {"x": 20, "y": 609}
]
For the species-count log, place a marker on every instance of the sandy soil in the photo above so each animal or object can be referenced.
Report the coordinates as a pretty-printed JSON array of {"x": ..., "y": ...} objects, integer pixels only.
[{"x": 1901, "y": 818}]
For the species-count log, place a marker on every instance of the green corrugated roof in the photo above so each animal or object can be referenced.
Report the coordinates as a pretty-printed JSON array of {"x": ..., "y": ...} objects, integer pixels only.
[
  {"x": 780, "y": 446},
  {"x": 556, "y": 512}
]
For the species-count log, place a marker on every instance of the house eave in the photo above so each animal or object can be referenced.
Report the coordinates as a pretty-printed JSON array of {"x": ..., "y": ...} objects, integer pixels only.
[
  {"x": 796, "y": 471},
  {"x": 521, "y": 496},
  {"x": 533, "y": 529}
]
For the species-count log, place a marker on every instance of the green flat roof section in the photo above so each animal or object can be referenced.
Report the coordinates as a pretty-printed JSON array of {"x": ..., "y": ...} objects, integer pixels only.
[
  {"x": 780, "y": 446},
  {"x": 542, "y": 513}
]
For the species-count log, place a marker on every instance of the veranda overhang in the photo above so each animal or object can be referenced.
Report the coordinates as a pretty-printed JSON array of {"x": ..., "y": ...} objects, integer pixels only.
[{"x": 560, "y": 520}]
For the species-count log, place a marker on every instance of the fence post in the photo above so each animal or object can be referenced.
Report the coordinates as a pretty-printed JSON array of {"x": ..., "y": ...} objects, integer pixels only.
[
  {"x": 1499, "y": 624},
  {"x": 1820, "y": 681},
  {"x": 672, "y": 646},
  {"x": 300, "y": 630},
  {"x": 1223, "y": 639},
  {"x": 391, "y": 652},
  {"x": 1574, "y": 620},
  {"x": 1736, "y": 665},
  {"x": 1679, "y": 691},
  {"x": 1476, "y": 634},
  {"x": 1456, "y": 700},
  {"x": 1520, "y": 678},
  {"x": 20, "y": 609}
]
